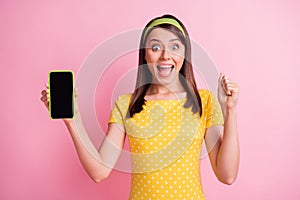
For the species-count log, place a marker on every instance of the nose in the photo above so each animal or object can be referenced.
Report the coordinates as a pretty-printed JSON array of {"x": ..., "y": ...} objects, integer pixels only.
[{"x": 165, "y": 55}]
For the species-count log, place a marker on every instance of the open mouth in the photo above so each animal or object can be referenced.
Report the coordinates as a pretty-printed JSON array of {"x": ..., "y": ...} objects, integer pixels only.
[{"x": 165, "y": 70}]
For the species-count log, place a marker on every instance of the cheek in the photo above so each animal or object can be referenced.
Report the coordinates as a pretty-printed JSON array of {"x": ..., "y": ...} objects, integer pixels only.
[
  {"x": 151, "y": 67},
  {"x": 151, "y": 57},
  {"x": 178, "y": 57},
  {"x": 179, "y": 62}
]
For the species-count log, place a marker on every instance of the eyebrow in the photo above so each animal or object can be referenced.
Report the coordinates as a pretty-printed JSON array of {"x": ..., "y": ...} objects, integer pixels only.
[{"x": 157, "y": 40}]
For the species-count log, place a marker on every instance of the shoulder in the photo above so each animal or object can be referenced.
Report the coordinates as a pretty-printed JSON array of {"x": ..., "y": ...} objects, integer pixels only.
[
  {"x": 121, "y": 104},
  {"x": 204, "y": 93},
  {"x": 206, "y": 96},
  {"x": 123, "y": 99}
]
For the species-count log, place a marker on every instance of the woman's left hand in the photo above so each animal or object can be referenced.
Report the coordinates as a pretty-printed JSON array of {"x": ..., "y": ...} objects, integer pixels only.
[{"x": 228, "y": 92}]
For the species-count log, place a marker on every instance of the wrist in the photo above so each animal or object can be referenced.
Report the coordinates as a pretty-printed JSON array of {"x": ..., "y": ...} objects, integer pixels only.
[
  {"x": 228, "y": 111},
  {"x": 69, "y": 121}
]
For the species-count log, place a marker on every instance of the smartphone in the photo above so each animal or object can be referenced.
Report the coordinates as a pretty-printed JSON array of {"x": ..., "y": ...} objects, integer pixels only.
[{"x": 61, "y": 104}]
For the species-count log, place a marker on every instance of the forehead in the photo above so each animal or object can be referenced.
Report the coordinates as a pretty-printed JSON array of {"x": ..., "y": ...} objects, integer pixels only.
[{"x": 161, "y": 34}]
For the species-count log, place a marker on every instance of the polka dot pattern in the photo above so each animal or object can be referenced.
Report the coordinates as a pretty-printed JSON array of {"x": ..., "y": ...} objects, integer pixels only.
[{"x": 165, "y": 143}]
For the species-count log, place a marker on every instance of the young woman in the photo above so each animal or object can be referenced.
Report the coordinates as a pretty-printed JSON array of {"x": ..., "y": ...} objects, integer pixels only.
[{"x": 166, "y": 120}]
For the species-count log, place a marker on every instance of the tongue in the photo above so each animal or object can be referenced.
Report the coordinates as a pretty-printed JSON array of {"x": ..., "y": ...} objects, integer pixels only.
[{"x": 165, "y": 71}]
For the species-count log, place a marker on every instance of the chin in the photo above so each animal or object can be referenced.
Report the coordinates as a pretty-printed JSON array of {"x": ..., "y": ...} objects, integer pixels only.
[{"x": 164, "y": 81}]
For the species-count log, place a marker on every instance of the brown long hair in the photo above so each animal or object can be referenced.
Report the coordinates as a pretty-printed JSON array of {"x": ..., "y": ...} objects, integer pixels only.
[{"x": 186, "y": 74}]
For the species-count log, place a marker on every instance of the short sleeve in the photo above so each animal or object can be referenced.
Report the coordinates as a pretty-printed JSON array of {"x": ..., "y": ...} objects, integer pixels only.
[
  {"x": 119, "y": 111},
  {"x": 214, "y": 112}
]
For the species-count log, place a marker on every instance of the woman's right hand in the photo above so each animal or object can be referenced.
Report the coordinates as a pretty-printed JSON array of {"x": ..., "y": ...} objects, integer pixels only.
[{"x": 46, "y": 97}]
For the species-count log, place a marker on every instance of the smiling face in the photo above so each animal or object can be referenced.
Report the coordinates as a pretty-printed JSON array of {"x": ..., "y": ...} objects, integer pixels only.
[{"x": 165, "y": 56}]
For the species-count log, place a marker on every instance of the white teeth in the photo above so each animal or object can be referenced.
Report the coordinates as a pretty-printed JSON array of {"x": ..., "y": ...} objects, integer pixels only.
[
  {"x": 167, "y": 66},
  {"x": 164, "y": 67}
]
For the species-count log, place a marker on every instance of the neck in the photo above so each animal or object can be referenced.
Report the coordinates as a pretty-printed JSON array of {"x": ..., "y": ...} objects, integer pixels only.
[{"x": 165, "y": 89}]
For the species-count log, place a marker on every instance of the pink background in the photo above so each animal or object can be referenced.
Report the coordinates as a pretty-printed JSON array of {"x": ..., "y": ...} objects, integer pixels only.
[{"x": 256, "y": 43}]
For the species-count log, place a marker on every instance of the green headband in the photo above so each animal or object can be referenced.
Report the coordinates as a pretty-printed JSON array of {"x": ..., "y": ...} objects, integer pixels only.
[{"x": 163, "y": 21}]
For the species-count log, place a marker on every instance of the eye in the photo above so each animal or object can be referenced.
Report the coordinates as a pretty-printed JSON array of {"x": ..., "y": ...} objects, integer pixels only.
[
  {"x": 155, "y": 47},
  {"x": 175, "y": 47}
]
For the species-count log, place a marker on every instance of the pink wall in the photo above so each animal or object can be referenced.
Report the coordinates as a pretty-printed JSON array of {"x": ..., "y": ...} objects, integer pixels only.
[{"x": 256, "y": 43}]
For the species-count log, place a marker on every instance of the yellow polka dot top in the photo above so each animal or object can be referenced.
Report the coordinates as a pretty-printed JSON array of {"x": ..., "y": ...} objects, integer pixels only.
[{"x": 165, "y": 141}]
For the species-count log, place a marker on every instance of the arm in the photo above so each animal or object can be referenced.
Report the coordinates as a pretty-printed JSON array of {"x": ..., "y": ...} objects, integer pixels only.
[
  {"x": 222, "y": 141},
  {"x": 98, "y": 164}
]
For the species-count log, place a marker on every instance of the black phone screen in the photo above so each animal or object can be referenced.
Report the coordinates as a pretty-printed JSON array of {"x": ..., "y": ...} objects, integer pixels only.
[{"x": 61, "y": 94}]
